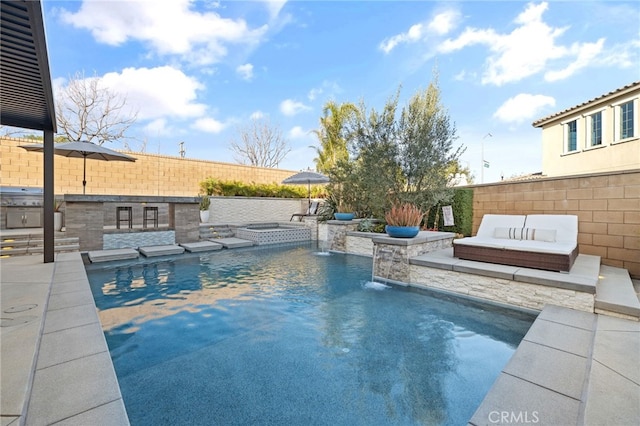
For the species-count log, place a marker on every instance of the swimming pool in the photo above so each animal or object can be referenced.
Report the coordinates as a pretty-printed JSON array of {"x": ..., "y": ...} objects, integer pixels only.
[{"x": 280, "y": 336}]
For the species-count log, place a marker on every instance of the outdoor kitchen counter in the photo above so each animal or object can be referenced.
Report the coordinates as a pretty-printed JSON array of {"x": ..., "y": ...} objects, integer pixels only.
[{"x": 87, "y": 216}]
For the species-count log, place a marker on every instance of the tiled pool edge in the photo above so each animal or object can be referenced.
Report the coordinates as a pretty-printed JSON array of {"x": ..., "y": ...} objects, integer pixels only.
[{"x": 74, "y": 379}]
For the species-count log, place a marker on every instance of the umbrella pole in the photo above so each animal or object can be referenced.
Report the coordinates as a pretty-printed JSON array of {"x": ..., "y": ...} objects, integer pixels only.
[
  {"x": 84, "y": 174},
  {"x": 309, "y": 188}
]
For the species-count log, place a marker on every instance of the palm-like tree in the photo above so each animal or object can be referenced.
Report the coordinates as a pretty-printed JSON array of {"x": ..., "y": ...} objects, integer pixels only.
[{"x": 332, "y": 134}]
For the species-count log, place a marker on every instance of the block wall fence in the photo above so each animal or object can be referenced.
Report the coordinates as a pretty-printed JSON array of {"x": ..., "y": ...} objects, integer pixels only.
[
  {"x": 607, "y": 206},
  {"x": 151, "y": 174}
]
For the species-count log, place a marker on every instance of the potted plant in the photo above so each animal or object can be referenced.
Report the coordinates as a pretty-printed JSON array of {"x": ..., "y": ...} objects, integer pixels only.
[
  {"x": 344, "y": 210},
  {"x": 57, "y": 215},
  {"x": 403, "y": 221},
  {"x": 205, "y": 203}
]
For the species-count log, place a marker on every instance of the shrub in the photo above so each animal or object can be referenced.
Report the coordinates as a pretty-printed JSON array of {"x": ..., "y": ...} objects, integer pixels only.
[
  {"x": 205, "y": 202},
  {"x": 404, "y": 215}
]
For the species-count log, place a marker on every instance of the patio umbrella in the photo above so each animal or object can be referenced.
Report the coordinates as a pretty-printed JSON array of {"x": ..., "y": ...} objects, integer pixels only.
[
  {"x": 82, "y": 150},
  {"x": 306, "y": 177}
]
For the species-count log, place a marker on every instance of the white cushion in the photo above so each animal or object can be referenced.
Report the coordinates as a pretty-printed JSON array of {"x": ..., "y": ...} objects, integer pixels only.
[
  {"x": 481, "y": 242},
  {"x": 539, "y": 246},
  {"x": 492, "y": 221},
  {"x": 566, "y": 225}
]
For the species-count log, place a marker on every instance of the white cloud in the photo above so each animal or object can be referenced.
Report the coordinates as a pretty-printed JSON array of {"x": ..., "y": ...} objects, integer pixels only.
[
  {"x": 329, "y": 87},
  {"x": 523, "y": 107},
  {"x": 275, "y": 6},
  {"x": 245, "y": 71},
  {"x": 167, "y": 27},
  {"x": 157, "y": 92},
  {"x": 531, "y": 48},
  {"x": 257, "y": 115},
  {"x": 298, "y": 132},
  {"x": 290, "y": 107},
  {"x": 157, "y": 127},
  {"x": 209, "y": 125},
  {"x": 441, "y": 24},
  {"x": 444, "y": 22},
  {"x": 585, "y": 54}
]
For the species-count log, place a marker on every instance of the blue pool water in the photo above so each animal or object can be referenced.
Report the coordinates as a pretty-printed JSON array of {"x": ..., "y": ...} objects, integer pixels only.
[{"x": 281, "y": 336}]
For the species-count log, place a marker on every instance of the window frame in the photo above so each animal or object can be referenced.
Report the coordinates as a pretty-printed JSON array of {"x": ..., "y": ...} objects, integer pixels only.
[
  {"x": 617, "y": 119},
  {"x": 567, "y": 136},
  {"x": 589, "y": 120}
]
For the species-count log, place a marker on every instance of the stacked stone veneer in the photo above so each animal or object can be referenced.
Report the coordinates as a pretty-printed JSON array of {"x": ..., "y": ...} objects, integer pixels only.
[
  {"x": 151, "y": 174},
  {"x": 334, "y": 232},
  {"x": 392, "y": 255},
  {"x": 392, "y": 261},
  {"x": 499, "y": 290}
]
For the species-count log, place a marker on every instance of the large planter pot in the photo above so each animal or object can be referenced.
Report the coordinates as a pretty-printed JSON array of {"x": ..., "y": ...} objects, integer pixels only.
[
  {"x": 402, "y": 231},
  {"x": 344, "y": 216},
  {"x": 204, "y": 216},
  {"x": 57, "y": 221}
]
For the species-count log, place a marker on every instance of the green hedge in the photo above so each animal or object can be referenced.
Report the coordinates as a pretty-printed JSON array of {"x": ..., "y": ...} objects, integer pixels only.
[
  {"x": 462, "y": 205},
  {"x": 213, "y": 186}
]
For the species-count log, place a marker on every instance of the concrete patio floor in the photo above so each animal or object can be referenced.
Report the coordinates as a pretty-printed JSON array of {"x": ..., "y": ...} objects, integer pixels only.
[{"x": 571, "y": 368}]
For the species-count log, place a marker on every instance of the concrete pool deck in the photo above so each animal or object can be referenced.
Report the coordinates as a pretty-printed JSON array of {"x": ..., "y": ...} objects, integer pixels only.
[{"x": 571, "y": 368}]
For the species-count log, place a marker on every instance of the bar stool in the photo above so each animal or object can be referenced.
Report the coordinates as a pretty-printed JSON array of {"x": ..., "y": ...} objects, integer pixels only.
[
  {"x": 150, "y": 214},
  {"x": 124, "y": 214}
]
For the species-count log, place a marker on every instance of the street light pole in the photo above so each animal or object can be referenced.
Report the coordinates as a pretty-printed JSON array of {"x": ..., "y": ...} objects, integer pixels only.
[{"x": 482, "y": 165}]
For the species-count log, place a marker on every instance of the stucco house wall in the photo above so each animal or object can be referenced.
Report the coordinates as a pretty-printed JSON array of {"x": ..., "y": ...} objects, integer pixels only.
[{"x": 613, "y": 153}]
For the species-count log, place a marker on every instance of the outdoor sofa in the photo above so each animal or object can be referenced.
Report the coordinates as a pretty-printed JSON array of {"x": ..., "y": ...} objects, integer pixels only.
[{"x": 537, "y": 241}]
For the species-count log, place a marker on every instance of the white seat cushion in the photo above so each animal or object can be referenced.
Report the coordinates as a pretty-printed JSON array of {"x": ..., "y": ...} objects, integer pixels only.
[
  {"x": 492, "y": 221},
  {"x": 566, "y": 225}
]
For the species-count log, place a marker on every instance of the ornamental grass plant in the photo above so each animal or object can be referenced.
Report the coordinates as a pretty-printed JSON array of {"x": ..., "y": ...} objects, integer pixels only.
[{"x": 404, "y": 215}]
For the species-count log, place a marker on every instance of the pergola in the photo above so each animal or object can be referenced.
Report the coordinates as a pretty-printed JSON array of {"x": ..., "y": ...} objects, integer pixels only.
[{"x": 26, "y": 96}]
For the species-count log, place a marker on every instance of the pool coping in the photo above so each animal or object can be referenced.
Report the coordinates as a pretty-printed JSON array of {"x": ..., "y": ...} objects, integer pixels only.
[{"x": 72, "y": 377}]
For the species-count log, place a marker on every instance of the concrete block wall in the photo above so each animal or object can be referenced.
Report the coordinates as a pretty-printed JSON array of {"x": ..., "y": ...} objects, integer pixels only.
[
  {"x": 607, "y": 206},
  {"x": 151, "y": 174}
]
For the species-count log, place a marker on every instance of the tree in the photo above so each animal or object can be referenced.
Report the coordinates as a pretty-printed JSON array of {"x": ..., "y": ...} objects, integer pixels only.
[
  {"x": 331, "y": 134},
  {"x": 260, "y": 144},
  {"x": 426, "y": 152},
  {"x": 400, "y": 156},
  {"x": 86, "y": 111}
]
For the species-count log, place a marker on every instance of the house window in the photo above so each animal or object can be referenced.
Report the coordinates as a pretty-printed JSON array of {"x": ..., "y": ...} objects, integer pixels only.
[
  {"x": 571, "y": 135},
  {"x": 626, "y": 120},
  {"x": 595, "y": 131}
]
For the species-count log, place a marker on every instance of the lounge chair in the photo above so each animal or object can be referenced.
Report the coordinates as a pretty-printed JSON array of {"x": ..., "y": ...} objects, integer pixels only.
[
  {"x": 537, "y": 241},
  {"x": 311, "y": 211}
]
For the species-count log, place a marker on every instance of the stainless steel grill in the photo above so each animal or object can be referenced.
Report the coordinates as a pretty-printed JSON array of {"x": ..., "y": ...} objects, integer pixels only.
[{"x": 13, "y": 196}]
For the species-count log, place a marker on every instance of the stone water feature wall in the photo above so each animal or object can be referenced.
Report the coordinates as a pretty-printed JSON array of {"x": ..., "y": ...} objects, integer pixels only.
[
  {"x": 499, "y": 290},
  {"x": 391, "y": 255}
]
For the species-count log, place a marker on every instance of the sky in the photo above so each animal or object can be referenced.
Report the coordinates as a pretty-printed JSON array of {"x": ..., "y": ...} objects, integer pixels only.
[{"x": 197, "y": 71}]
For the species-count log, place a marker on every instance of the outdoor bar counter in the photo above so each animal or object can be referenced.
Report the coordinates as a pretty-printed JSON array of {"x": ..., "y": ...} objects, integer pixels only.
[{"x": 93, "y": 219}]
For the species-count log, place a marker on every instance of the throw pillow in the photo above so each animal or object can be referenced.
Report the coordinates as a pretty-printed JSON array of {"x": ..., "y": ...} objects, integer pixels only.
[
  {"x": 508, "y": 233},
  {"x": 547, "y": 235}
]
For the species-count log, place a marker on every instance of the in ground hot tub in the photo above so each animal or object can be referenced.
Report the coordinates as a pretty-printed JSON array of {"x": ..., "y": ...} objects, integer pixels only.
[{"x": 273, "y": 233}]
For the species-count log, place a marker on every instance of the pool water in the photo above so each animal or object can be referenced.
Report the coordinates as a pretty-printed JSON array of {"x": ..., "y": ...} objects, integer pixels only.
[{"x": 282, "y": 336}]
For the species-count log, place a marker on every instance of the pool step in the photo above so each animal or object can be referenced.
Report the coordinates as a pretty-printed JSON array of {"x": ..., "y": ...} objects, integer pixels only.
[
  {"x": 615, "y": 294},
  {"x": 20, "y": 244},
  {"x": 210, "y": 230}
]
